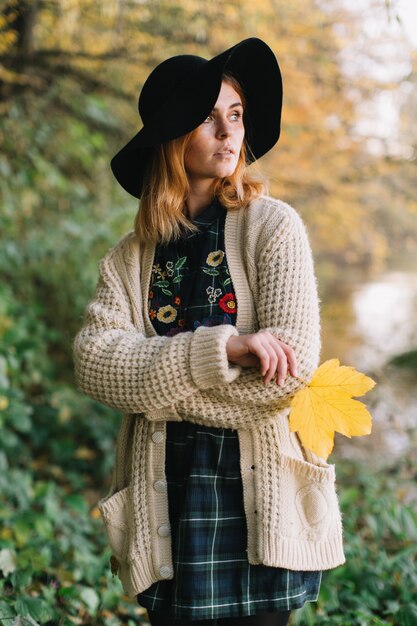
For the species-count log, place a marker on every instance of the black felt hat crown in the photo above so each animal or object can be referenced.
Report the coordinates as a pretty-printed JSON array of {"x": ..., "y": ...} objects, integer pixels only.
[{"x": 180, "y": 93}]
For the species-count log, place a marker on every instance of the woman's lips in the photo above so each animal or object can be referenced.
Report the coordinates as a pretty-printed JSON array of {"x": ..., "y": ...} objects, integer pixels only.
[{"x": 224, "y": 153}]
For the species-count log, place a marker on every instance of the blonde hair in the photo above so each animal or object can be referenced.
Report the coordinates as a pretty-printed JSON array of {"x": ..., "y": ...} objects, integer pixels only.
[{"x": 160, "y": 217}]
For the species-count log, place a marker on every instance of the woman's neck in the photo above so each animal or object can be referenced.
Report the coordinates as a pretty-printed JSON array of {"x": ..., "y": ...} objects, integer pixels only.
[{"x": 200, "y": 196}]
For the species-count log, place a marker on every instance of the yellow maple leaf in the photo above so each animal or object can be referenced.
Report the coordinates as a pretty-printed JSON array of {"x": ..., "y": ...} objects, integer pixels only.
[{"x": 325, "y": 406}]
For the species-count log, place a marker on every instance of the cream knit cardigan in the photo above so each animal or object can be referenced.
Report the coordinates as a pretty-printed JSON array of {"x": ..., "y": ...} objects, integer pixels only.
[{"x": 290, "y": 500}]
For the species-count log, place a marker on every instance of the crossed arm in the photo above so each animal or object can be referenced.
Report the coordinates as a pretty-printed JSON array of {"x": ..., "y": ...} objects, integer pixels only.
[{"x": 121, "y": 367}]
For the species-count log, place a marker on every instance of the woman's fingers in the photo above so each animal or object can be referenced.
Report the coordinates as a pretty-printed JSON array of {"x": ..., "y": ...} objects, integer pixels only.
[
  {"x": 274, "y": 360},
  {"x": 282, "y": 365},
  {"x": 291, "y": 358},
  {"x": 263, "y": 349},
  {"x": 270, "y": 355}
]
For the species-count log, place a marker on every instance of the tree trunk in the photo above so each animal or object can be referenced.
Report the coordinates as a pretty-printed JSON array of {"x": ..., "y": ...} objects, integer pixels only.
[{"x": 26, "y": 12}]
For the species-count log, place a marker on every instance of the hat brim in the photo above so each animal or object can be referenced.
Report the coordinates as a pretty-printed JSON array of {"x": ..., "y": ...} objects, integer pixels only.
[{"x": 256, "y": 68}]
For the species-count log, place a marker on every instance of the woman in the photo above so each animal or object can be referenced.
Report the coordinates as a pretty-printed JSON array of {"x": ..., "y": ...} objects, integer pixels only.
[{"x": 202, "y": 320}]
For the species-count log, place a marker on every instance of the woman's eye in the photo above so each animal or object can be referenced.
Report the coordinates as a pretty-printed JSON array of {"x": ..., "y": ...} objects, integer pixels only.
[{"x": 235, "y": 116}]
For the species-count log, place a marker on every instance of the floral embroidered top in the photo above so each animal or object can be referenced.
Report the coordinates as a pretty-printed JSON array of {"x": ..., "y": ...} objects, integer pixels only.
[{"x": 190, "y": 283}]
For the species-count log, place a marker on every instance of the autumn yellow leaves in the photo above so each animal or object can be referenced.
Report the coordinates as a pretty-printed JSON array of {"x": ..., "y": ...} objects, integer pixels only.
[{"x": 326, "y": 406}]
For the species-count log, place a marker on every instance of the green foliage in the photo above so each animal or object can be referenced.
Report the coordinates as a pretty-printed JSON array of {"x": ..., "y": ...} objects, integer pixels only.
[
  {"x": 55, "y": 447},
  {"x": 55, "y": 181}
]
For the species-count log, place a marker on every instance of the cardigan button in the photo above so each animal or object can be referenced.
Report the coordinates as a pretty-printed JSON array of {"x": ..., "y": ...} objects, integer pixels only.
[
  {"x": 165, "y": 571},
  {"x": 158, "y": 436},
  {"x": 252, "y": 467},
  {"x": 164, "y": 531},
  {"x": 160, "y": 486}
]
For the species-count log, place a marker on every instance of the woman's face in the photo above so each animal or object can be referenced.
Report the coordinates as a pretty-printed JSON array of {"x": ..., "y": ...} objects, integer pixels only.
[{"x": 213, "y": 151}]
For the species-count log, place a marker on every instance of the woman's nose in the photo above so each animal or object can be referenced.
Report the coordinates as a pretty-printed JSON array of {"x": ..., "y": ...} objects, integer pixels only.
[{"x": 223, "y": 128}]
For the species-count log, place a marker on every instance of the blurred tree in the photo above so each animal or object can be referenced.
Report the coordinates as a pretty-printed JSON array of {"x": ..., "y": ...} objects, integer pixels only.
[{"x": 22, "y": 15}]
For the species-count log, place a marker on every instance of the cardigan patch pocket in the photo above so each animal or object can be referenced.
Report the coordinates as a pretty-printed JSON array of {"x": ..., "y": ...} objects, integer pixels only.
[
  {"x": 308, "y": 500},
  {"x": 114, "y": 511}
]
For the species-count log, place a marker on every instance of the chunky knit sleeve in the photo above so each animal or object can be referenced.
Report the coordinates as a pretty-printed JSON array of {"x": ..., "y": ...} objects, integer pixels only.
[
  {"x": 287, "y": 305},
  {"x": 118, "y": 365}
]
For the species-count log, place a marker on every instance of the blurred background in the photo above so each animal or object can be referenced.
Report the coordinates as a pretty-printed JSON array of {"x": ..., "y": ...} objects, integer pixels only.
[{"x": 70, "y": 76}]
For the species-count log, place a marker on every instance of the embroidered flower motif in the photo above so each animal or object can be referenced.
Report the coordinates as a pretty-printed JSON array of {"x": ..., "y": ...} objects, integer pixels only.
[
  {"x": 166, "y": 314},
  {"x": 213, "y": 294},
  {"x": 181, "y": 323},
  {"x": 156, "y": 269},
  {"x": 170, "y": 268},
  {"x": 228, "y": 303},
  {"x": 152, "y": 314},
  {"x": 177, "y": 300},
  {"x": 215, "y": 258},
  {"x": 150, "y": 295}
]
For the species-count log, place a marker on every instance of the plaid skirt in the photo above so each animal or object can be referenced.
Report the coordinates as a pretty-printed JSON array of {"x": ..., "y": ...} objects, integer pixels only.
[{"x": 212, "y": 575}]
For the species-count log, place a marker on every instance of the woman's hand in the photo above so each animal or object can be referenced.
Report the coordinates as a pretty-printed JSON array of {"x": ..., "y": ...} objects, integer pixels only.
[{"x": 264, "y": 350}]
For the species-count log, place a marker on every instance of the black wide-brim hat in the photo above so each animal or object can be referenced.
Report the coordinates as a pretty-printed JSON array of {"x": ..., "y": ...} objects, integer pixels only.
[{"x": 182, "y": 91}]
